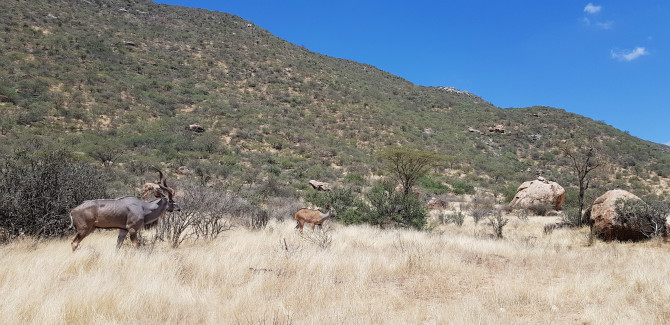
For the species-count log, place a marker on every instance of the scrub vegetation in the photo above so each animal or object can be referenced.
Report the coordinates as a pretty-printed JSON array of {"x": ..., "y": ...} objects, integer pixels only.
[{"x": 94, "y": 94}]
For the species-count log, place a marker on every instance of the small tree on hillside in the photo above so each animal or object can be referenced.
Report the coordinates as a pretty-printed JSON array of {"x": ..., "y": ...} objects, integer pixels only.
[
  {"x": 408, "y": 165},
  {"x": 583, "y": 160}
]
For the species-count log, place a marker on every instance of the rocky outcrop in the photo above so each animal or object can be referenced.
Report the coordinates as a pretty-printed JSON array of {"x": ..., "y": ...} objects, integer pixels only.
[
  {"x": 498, "y": 128},
  {"x": 604, "y": 217},
  {"x": 319, "y": 186},
  {"x": 197, "y": 128},
  {"x": 470, "y": 129},
  {"x": 437, "y": 204},
  {"x": 539, "y": 191},
  {"x": 152, "y": 188}
]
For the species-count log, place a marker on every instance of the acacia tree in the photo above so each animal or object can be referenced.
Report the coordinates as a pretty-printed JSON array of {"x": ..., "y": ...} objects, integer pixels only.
[
  {"x": 409, "y": 165},
  {"x": 583, "y": 160}
]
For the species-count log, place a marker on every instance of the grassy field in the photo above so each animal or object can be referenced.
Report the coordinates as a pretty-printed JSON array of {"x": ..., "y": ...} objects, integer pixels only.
[{"x": 350, "y": 275}]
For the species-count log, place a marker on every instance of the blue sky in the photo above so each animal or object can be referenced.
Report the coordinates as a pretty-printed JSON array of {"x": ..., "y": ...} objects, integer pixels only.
[{"x": 607, "y": 60}]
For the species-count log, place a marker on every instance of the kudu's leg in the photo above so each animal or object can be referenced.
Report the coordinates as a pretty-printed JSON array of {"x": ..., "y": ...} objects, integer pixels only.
[
  {"x": 81, "y": 234},
  {"x": 133, "y": 237},
  {"x": 122, "y": 236},
  {"x": 75, "y": 242}
]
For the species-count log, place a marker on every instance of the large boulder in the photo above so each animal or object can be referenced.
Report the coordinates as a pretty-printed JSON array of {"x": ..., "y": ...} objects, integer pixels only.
[
  {"x": 539, "y": 191},
  {"x": 604, "y": 217}
]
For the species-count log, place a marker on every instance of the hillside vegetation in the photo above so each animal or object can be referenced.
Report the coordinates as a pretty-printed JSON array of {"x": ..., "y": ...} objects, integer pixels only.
[
  {"x": 119, "y": 82},
  {"x": 94, "y": 93}
]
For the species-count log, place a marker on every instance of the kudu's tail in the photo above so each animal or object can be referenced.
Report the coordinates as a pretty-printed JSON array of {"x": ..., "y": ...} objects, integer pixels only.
[{"x": 71, "y": 223}]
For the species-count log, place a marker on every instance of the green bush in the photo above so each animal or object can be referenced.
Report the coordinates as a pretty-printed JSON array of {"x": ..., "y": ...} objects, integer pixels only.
[
  {"x": 648, "y": 218},
  {"x": 388, "y": 205},
  {"x": 498, "y": 222},
  {"x": 540, "y": 209},
  {"x": 462, "y": 188},
  {"x": 39, "y": 188},
  {"x": 354, "y": 179},
  {"x": 510, "y": 192},
  {"x": 350, "y": 208},
  {"x": 457, "y": 218},
  {"x": 433, "y": 186}
]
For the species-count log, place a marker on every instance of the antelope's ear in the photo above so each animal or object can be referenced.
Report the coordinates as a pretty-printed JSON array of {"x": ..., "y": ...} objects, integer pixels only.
[{"x": 327, "y": 206}]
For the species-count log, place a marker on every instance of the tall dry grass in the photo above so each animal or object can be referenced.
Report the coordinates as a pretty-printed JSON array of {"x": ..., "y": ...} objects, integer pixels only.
[{"x": 350, "y": 275}]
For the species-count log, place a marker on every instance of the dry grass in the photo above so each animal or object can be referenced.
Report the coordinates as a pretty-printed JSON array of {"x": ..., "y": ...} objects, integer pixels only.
[{"x": 354, "y": 275}]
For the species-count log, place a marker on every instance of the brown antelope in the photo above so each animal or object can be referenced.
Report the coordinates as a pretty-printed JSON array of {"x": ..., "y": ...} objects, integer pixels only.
[
  {"x": 128, "y": 214},
  {"x": 315, "y": 217}
]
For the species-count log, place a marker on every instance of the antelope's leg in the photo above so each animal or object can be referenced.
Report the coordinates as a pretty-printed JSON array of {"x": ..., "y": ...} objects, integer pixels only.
[
  {"x": 122, "y": 236},
  {"x": 133, "y": 237},
  {"x": 81, "y": 234},
  {"x": 75, "y": 242}
]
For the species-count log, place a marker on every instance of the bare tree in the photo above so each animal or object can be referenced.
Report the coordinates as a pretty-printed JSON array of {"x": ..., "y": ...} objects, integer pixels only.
[
  {"x": 203, "y": 215},
  {"x": 583, "y": 160}
]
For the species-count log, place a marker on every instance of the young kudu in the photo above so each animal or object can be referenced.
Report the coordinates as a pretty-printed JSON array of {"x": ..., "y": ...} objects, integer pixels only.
[
  {"x": 128, "y": 214},
  {"x": 315, "y": 217}
]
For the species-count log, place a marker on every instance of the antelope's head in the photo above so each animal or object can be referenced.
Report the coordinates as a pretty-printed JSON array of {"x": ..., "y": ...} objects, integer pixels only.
[
  {"x": 172, "y": 205},
  {"x": 331, "y": 210}
]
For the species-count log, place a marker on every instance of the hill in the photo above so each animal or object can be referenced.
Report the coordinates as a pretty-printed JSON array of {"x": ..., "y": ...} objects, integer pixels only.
[{"x": 121, "y": 81}]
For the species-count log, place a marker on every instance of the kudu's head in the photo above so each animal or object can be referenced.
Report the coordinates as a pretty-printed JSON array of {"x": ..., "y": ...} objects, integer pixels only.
[
  {"x": 172, "y": 206},
  {"x": 331, "y": 210}
]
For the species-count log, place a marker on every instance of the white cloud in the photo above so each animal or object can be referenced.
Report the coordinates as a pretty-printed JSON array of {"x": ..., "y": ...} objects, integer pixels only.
[
  {"x": 591, "y": 9},
  {"x": 667, "y": 143},
  {"x": 624, "y": 55},
  {"x": 605, "y": 25}
]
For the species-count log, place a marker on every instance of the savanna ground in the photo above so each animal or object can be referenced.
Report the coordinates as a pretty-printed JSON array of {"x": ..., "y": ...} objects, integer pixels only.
[{"x": 349, "y": 275}]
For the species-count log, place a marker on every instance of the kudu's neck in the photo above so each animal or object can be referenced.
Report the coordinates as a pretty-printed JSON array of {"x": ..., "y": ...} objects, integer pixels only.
[
  {"x": 326, "y": 215},
  {"x": 159, "y": 206}
]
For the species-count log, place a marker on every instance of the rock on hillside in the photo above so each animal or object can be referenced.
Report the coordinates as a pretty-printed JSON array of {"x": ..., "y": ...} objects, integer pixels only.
[
  {"x": 539, "y": 191},
  {"x": 604, "y": 217}
]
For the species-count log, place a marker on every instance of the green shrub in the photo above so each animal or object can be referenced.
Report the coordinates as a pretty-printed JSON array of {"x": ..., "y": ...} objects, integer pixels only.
[
  {"x": 350, "y": 208},
  {"x": 39, "y": 188},
  {"x": 510, "y": 192},
  {"x": 457, "y": 218},
  {"x": 354, "y": 179},
  {"x": 540, "y": 209},
  {"x": 433, "y": 186},
  {"x": 648, "y": 218},
  {"x": 388, "y": 205},
  {"x": 498, "y": 222},
  {"x": 462, "y": 188}
]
